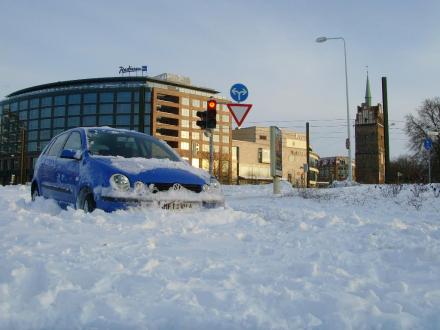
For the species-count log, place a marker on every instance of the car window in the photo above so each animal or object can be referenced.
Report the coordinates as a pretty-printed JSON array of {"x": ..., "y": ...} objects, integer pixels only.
[
  {"x": 128, "y": 145},
  {"x": 55, "y": 148},
  {"x": 73, "y": 142}
]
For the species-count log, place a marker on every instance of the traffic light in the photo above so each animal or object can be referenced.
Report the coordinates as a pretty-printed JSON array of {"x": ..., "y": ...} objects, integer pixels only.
[
  {"x": 211, "y": 118},
  {"x": 203, "y": 119}
]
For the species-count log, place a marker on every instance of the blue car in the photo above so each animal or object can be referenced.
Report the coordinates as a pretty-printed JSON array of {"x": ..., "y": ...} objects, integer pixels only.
[{"x": 111, "y": 169}]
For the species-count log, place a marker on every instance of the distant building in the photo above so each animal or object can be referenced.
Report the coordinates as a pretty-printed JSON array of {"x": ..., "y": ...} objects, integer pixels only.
[
  {"x": 251, "y": 156},
  {"x": 370, "y": 147},
  {"x": 334, "y": 169}
]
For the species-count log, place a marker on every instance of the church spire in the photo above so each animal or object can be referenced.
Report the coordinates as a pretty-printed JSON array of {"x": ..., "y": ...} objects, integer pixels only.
[{"x": 368, "y": 92}]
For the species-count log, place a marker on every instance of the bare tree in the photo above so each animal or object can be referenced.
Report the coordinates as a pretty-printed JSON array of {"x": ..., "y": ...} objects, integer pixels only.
[{"x": 417, "y": 127}]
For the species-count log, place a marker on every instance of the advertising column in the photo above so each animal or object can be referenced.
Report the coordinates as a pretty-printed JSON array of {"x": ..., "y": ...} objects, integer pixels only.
[{"x": 276, "y": 158}]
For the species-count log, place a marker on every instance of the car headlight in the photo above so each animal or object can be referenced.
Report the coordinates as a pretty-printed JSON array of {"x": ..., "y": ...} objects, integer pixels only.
[
  {"x": 213, "y": 186},
  {"x": 120, "y": 182}
]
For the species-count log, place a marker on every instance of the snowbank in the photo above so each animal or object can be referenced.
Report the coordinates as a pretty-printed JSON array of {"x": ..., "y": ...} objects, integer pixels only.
[{"x": 341, "y": 258}]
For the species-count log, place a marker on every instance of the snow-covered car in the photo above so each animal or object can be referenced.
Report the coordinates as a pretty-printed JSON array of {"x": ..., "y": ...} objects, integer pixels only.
[{"x": 110, "y": 169}]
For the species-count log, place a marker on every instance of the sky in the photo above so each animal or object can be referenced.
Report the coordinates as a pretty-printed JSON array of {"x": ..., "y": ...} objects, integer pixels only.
[{"x": 267, "y": 45}]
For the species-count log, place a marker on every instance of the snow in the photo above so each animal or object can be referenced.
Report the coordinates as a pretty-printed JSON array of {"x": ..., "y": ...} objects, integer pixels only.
[
  {"x": 362, "y": 257},
  {"x": 136, "y": 165}
]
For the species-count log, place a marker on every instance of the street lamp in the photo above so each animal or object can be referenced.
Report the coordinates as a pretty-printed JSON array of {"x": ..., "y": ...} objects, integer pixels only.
[{"x": 348, "y": 143}]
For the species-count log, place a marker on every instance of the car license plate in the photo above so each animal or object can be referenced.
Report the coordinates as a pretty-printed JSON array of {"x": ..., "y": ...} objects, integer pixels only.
[{"x": 177, "y": 205}]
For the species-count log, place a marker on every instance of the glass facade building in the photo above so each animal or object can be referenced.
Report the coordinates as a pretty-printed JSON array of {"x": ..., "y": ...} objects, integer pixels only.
[{"x": 29, "y": 118}]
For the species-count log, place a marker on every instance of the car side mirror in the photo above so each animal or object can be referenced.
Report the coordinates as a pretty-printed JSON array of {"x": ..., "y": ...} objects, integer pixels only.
[{"x": 71, "y": 154}]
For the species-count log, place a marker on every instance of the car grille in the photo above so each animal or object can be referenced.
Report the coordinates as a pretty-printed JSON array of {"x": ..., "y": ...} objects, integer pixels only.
[{"x": 166, "y": 186}]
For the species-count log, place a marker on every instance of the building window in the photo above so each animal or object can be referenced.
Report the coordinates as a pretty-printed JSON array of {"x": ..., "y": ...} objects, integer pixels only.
[
  {"x": 45, "y": 123},
  {"x": 225, "y": 118},
  {"x": 195, "y": 135},
  {"x": 32, "y": 136},
  {"x": 45, "y": 134},
  {"x": 123, "y": 97},
  {"x": 106, "y": 97},
  {"x": 73, "y": 110},
  {"x": 195, "y": 162},
  {"x": 216, "y": 138},
  {"x": 123, "y": 120},
  {"x": 60, "y": 100},
  {"x": 58, "y": 122},
  {"x": 89, "y": 109},
  {"x": 32, "y": 146},
  {"x": 33, "y": 114},
  {"x": 185, "y": 123},
  {"x": 89, "y": 120},
  {"x": 23, "y": 105},
  {"x": 46, "y": 101},
  {"x": 184, "y": 145},
  {"x": 185, "y": 100},
  {"x": 90, "y": 98},
  {"x": 46, "y": 113},
  {"x": 185, "y": 112},
  {"x": 263, "y": 155},
  {"x": 196, "y": 103},
  {"x": 123, "y": 108},
  {"x": 22, "y": 115},
  {"x": 147, "y": 120},
  {"x": 263, "y": 137},
  {"x": 106, "y": 108},
  {"x": 184, "y": 134},
  {"x": 74, "y": 99},
  {"x": 225, "y": 150},
  {"x": 35, "y": 103},
  {"x": 105, "y": 120},
  {"x": 147, "y": 96},
  {"x": 225, "y": 139},
  {"x": 59, "y": 111}
]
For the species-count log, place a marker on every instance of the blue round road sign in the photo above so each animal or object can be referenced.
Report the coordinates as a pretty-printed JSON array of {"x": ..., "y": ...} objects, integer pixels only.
[
  {"x": 427, "y": 143},
  {"x": 239, "y": 92}
]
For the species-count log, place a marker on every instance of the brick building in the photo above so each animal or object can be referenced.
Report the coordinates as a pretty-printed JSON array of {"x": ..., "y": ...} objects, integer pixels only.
[{"x": 370, "y": 143}]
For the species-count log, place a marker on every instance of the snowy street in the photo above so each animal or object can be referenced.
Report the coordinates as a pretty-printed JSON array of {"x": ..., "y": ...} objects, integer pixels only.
[{"x": 343, "y": 258}]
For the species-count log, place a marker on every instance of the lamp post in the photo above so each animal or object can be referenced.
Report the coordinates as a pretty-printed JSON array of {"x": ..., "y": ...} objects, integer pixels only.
[{"x": 348, "y": 142}]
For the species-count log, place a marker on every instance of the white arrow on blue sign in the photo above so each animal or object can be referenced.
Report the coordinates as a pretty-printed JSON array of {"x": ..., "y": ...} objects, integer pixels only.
[
  {"x": 427, "y": 143},
  {"x": 239, "y": 92}
]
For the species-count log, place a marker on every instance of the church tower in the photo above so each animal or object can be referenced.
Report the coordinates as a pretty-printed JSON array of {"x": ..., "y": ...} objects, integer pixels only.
[{"x": 369, "y": 135}]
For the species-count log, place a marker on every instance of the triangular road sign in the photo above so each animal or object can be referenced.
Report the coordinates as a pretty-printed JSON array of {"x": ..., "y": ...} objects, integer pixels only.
[{"x": 239, "y": 111}]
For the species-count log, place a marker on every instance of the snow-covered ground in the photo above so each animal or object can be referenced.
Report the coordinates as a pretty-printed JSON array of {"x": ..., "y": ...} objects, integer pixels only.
[{"x": 342, "y": 258}]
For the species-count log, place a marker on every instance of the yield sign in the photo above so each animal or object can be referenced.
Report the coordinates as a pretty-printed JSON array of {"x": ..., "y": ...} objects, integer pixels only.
[{"x": 239, "y": 111}]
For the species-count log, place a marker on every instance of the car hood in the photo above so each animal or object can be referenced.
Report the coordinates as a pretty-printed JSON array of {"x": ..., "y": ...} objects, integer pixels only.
[{"x": 155, "y": 170}]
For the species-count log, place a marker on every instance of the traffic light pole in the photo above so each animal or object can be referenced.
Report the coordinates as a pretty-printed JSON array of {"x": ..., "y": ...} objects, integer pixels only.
[{"x": 211, "y": 152}]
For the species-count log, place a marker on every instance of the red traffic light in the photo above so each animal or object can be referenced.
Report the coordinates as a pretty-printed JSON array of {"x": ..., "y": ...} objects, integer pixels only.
[{"x": 212, "y": 105}]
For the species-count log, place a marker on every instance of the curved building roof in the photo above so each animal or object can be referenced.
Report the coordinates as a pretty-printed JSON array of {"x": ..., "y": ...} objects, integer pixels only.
[{"x": 106, "y": 82}]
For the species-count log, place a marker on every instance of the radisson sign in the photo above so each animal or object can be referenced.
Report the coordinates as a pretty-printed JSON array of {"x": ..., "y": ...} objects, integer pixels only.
[{"x": 129, "y": 69}]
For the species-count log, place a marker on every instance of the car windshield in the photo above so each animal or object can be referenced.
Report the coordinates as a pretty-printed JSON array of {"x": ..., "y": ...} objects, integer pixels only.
[{"x": 126, "y": 144}]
